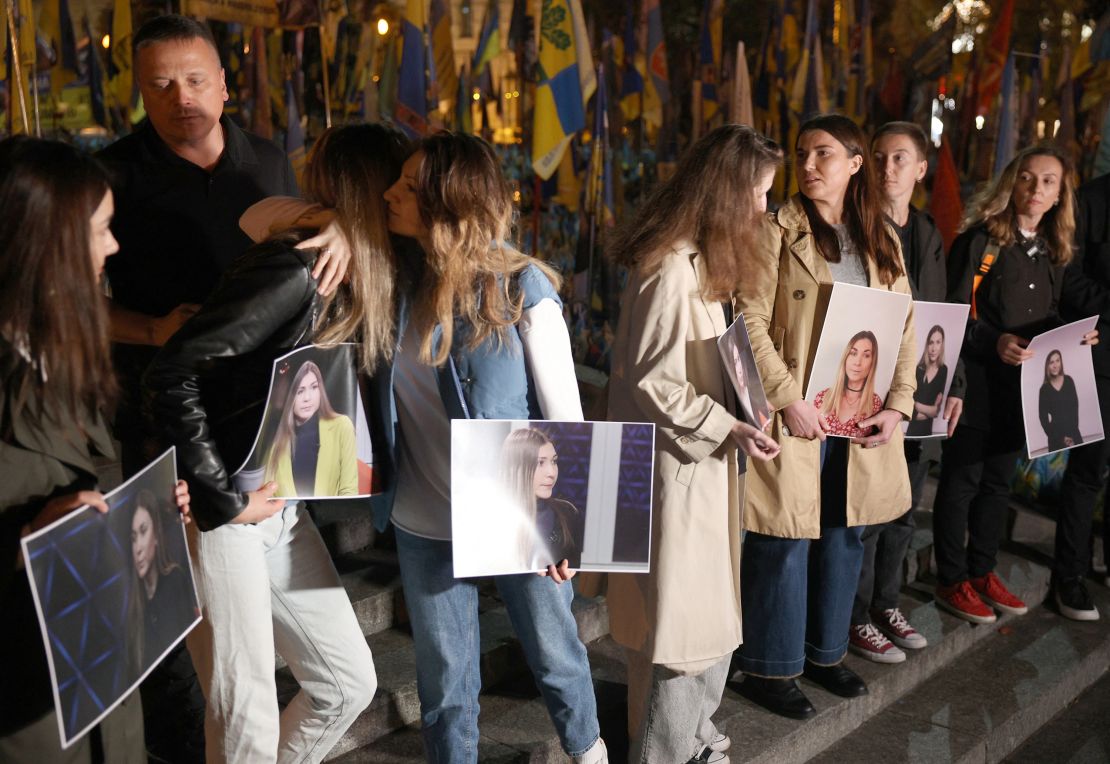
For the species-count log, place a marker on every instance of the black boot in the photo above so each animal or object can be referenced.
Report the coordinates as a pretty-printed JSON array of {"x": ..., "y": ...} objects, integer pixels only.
[
  {"x": 839, "y": 679},
  {"x": 779, "y": 696}
]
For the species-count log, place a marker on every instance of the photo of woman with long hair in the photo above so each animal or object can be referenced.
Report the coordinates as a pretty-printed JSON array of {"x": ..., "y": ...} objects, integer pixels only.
[
  {"x": 1058, "y": 405},
  {"x": 313, "y": 451},
  {"x": 851, "y": 398},
  {"x": 529, "y": 472},
  {"x": 932, "y": 376},
  {"x": 160, "y": 585}
]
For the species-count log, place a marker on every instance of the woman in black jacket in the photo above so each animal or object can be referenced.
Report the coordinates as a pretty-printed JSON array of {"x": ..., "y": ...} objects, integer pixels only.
[
  {"x": 1058, "y": 405},
  {"x": 264, "y": 577},
  {"x": 56, "y": 385}
]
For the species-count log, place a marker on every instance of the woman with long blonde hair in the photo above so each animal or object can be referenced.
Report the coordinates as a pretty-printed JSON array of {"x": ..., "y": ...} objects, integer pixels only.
[
  {"x": 1009, "y": 265},
  {"x": 482, "y": 337},
  {"x": 263, "y": 572},
  {"x": 843, "y": 405}
]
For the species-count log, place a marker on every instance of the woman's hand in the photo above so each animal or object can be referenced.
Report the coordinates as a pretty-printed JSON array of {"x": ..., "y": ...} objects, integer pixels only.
[
  {"x": 1012, "y": 349},
  {"x": 60, "y": 506},
  {"x": 181, "y": 494},
  {"x": 1090, "y": 338},
  {"x": 335, "y": 257},
  {"x": 261, "y": 505},
  {"x": 803, "y": 420},
  {"x": 559, "y": 574},
  {"x": 1068, "y": 441},
  {"x": 952, "y": 411},
  {"x": 887, "y": 421},
  {"x": 754, "y": 442},
  {"x": 164, "y": 327}
]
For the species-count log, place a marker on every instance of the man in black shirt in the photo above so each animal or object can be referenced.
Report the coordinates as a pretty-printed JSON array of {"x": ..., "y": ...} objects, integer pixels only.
[{"x": 181, "y": 182}]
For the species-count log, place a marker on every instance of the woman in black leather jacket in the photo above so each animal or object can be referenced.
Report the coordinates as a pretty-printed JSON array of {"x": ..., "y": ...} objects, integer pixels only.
[{"x": 263, "y": 573}]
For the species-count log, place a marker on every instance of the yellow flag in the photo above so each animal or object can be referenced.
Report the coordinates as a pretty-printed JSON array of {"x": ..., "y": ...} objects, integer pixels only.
[{"x": 566, "y": 81}]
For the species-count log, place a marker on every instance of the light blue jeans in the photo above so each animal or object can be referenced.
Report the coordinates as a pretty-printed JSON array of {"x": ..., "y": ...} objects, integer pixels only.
[{"x": 444, "y": 614}]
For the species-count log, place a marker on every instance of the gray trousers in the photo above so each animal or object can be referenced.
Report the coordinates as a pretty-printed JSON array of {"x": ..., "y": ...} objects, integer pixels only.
[
  {"x": 670, "y": 714},
  {"x": 884, "y": 552}
]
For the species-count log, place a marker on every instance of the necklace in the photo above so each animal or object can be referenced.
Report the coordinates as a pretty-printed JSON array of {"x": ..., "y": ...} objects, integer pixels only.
[{"x": 853, "y": 390}]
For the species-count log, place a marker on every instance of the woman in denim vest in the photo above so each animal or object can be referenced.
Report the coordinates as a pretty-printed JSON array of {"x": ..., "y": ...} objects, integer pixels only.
[{"x": 481, "y": 337}]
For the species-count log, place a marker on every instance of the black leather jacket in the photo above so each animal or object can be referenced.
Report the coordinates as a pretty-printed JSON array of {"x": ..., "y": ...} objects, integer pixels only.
[{"x": 207, "y": 387}]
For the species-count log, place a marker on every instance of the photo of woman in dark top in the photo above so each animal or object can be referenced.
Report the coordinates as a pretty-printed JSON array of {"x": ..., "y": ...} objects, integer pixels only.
[
  {"x": 1059, "y": 405},
  {"x": 163, "y": 593},
  {"x": 530, "y": 470},
  {"x": 932, "y": 376}
]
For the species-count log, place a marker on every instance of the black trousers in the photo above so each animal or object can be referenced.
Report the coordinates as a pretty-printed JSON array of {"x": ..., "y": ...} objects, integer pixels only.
[
  {"x": 973, "y": 498},
  {"x": 1085, "y": 477}
]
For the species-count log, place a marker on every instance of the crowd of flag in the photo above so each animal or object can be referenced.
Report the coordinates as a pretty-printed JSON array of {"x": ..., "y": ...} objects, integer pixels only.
[{"x": 589, "y": 116}]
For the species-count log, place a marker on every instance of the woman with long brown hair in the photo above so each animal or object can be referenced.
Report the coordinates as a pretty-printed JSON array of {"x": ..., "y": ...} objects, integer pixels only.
[
  {"x": 1008, "y": 263},
  {"x": 680, "y": 623},
  {"x": 806, "y": 510},
  {"x": 56, "y": 389},
  {"x": 263, "y": 573},
  {"x": 482, "y": 337}
]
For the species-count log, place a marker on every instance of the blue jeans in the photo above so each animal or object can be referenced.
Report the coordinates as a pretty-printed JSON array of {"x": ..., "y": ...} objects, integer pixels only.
[
  {"x": 444, "y": 615},
  {"x": 797, "y": 594}
]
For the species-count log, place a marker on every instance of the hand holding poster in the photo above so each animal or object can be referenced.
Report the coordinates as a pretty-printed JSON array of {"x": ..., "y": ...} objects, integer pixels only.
[
  {"x": 114, "y": 594},
  {"x": 1059, "y": 400},
  {"x": 856, "y": 356},
  {"x": 739, "y": 360},
  {"x": 525, "y": 495},
  {"x": 940, "y": 332},
  {"x": 314, "y": 441}
]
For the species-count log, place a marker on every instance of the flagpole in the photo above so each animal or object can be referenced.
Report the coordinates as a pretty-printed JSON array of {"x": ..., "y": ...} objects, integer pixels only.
[{"x": 17, "y": 67}]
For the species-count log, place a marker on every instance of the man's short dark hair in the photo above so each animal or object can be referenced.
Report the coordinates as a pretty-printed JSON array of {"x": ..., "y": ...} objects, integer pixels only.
[
  {"x": 911, "y": 130},
  {"x": 172, "y": 27}
]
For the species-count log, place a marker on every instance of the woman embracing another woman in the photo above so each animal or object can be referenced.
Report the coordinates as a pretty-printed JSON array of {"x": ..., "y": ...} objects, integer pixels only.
[{"x": 806, "y": 510}]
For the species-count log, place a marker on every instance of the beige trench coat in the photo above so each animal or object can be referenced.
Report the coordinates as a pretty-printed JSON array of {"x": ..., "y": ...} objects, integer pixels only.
[
  {"x": 666, "y": 369},
  {"x": 783, "y": 296}
]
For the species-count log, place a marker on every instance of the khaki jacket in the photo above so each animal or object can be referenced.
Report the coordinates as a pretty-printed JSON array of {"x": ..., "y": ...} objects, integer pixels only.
[
  {"x": 667, "y": 370},
  {"x": 783, "y": 295}
]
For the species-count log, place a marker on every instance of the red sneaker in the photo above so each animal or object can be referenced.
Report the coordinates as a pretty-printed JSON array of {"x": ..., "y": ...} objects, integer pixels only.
[
  {"x": 864, "y": 639},
  {"x": 962, "y": 601},
  {"x": 992, "y": 591}
]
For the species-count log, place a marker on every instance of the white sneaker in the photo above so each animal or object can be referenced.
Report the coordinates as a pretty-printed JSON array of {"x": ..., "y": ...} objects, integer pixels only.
[
  {"x": 721, "y": 743},
  {"x": 597, "y": 754}
]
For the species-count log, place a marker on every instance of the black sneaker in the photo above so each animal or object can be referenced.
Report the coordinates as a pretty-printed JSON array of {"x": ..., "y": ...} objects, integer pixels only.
[{"x": 1074, "y": 601}]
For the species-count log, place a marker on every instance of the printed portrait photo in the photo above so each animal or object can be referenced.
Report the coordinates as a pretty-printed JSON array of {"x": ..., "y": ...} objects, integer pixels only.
[
  {"x": 114, "y": 594},
  {"x": 939, "y": 328},
  {"x": 739, "y": 362},
  {"x": 314, "y": 441},
  {"x": 856, "y": 356},
  {"x": 525, "y": 495},
  {"x": 1058, "y": 395}
]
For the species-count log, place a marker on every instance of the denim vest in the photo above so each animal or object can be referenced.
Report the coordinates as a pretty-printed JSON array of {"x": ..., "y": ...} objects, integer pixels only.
[{"x": 491, "y": 381}]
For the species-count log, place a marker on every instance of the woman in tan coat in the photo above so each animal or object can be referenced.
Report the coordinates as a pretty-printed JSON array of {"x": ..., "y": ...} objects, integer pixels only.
[
  {"x": 681, "y": 622},
  {"x": 798, "y": 600}
]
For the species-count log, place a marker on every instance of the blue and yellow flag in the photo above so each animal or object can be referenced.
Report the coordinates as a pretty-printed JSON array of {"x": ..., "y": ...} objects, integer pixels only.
[
  {"x": 599, "y": 188},
  {"x": 566, "y": 81},
  {"x": 631, "y": 68},
  {"x": 657, "y": 84},
  {"x": 413, "y": 86},
  {"x": 57, "y": 25},
  {"x": 709, "y": 57},
  {"x": 96, "y": 81},
  {"x": 443, "y": 50},
  {"x": 489, "y": 43}
]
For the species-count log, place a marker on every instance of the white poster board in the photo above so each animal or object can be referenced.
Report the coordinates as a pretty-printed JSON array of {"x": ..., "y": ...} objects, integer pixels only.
[
  {"x": 939, "y": 328},
  {"x": 739, "y": 361}
]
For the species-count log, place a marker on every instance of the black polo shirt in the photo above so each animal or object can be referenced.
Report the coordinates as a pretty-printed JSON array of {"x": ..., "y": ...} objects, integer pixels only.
[{"x": 177, "y": 224}]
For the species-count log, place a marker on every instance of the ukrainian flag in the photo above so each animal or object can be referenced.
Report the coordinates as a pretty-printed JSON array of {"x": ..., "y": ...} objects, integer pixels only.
[
  {"x": 489, "y": 44},
  {"x": 411, "y": 109},
  {"x": 566, "y": 81}
]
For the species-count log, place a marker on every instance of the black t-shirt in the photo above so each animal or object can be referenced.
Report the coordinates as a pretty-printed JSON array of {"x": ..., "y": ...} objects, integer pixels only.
[
  {"x": 927, "y": 392},
  {"x": 177, "y": 224}
]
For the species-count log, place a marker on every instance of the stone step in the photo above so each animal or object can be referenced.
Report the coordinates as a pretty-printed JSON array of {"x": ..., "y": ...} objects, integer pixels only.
[
  {"x": 396, "y": 704},
  {"x": 1077, "y": 735},
  {"x": 983, "y": 706}
]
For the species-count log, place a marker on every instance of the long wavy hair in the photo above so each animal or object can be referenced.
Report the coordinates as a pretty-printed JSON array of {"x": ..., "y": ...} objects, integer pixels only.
[
  {"x": 146, "y": 500},
  {"x": 924, "y": 362},
  {"x": 993, "y": 207},
  {"x": 519, "y": 457},
  {"x": 864, "y": 206},
  {"x": 829, "y": 404},
  {"x": 709, "y": 201},
  {"x": 1048, "y": 360},
  {"x": 349, "y": 170},
  {"x": 286, "y": 429},
  {"x": 466, "y": 206},
  {"x": 51, "y": 312}
]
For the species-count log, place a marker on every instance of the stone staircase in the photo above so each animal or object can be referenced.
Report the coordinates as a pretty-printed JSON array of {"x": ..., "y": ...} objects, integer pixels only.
[{"x": 975, "y": 694}]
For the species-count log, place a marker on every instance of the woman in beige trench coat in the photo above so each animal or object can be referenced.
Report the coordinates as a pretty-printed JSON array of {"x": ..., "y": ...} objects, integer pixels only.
[
  {"x": 681, "y": 622},
  {"x": 798, "y": 595}
]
